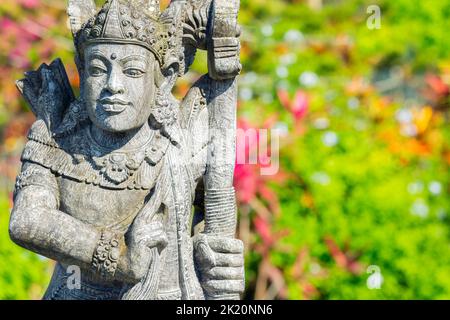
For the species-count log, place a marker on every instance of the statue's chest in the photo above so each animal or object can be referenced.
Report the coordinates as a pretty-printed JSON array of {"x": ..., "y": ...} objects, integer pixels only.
[{"x": 99, "y": 206}]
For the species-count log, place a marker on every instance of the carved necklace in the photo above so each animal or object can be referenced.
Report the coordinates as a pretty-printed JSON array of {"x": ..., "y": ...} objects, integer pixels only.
[{"x": 118, "y": 166}]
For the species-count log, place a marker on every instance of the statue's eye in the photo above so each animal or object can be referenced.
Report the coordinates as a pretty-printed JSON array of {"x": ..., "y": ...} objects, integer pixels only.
[
  {"x": 96, "y": 71},
  {"x": 133, "y": 72}
]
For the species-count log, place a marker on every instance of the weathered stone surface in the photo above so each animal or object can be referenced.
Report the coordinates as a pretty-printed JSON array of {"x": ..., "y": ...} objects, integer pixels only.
[{"x": 109, "y": 179}]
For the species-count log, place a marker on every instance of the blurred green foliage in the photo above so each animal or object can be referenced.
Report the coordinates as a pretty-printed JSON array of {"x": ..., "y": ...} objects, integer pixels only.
[
  {"x": 366, "y": 160},
  {"x": 364, "y": 145},
  {"x": 23, "y": 274}
]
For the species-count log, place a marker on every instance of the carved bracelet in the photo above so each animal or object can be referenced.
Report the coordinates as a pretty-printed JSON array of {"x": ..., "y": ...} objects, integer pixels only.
[{"x": 107, "y": 254}]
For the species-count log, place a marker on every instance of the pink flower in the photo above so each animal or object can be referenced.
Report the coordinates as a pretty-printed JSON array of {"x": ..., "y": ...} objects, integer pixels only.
[
  {"x": 283, "y": 95},
  {"x": 6, "y": 23},
  {"x": 245, "y": 183},
  {"x": 18, "y": 55},
  {"x": 298, "y": 106},
  {"x": 245, "y": 176},
  {"x": 248, "y": 180},
  {"x": 30, "y": 4}
]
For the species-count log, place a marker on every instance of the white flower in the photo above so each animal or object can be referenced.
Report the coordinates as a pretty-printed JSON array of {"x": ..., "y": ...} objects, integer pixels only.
[
  {"x": 282, "y": 72},
  {"x": 321, "y": 123},
  {"x": 246, "y": 94},
  {"x": 408, "y": 130},
  {"x": 330, "y": 139},
  {"x": 435, "y": 187},
  {"x": 308, "y": 79},
  {"x": 249, "y": 78},
  {"x": 267, "y": 30},
  {"x": 321, "y": 178},
  {"x": 404, "y": 115},
  {"x": 293, "y": 36},
  {"x": 415, "y": 187},
  {"x": 419, "y": 208},
  {"x": 288, "y": 59},
  {"x": 353, "y": 103}
]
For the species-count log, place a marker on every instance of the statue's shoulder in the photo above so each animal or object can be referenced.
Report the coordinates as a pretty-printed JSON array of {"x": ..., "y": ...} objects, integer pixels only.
[{"x": 49, "y": 149}]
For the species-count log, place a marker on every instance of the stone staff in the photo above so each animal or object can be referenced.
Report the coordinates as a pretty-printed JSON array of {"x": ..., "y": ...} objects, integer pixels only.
[{"x": 223, "y": 65}]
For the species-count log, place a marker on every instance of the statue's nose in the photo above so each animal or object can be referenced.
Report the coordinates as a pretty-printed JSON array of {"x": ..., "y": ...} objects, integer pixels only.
[{"x": 115, "y": 85}]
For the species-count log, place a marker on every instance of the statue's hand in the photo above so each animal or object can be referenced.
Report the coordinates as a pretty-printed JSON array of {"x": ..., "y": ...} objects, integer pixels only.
[
  {"x": 136, "y": 260},
  {"x": 149, "y": 235},
  {"x": 220, "y": 262}
]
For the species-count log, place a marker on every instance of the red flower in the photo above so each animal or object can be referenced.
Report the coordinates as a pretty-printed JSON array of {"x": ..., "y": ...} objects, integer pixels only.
[{"x": 437, "y": 85}]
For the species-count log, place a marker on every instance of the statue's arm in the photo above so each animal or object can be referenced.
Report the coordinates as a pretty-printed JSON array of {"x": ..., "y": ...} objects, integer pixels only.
[{"x": 38, "y": 225}]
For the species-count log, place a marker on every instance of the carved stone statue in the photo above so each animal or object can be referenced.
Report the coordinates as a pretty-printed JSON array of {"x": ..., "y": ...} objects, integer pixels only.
[{"x": 126, "y": 182}]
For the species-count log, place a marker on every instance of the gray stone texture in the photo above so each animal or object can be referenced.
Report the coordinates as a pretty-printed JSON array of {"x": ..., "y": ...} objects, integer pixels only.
[{"x": 125, "y": 181}]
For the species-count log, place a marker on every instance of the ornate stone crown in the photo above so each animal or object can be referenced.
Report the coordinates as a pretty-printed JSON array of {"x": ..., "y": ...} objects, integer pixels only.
[{"x": 137, "y": 22}]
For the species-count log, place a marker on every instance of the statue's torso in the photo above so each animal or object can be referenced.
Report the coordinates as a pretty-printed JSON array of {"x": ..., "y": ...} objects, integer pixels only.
[
  {"x": 104, "y": 188},
  {"x": 100, "y": 207},
  {"x": 90, "y": 187}
]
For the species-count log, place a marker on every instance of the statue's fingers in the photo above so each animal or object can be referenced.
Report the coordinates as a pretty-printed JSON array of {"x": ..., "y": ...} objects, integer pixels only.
[
  {"x": 225, "y": 245},
  {"x": 203, "y": 252},
  {"x": 146, "y": 230},
  {"x": 205, "y": 255},
  {"x": 224, "y": 286},
  {"x": 225, "y": 273},
  {"x": 229, "y": 260}
]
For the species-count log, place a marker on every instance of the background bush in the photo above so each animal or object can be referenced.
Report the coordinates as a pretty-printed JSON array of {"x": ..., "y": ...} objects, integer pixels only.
[{"x": 364, "y": 145}]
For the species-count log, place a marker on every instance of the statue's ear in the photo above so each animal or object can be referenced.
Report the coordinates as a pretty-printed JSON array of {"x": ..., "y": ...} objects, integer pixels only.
[{"x": 79, "y": 12}]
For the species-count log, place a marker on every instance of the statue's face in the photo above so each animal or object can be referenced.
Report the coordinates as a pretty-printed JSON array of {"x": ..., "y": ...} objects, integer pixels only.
[{"x": 119, "y": 86}]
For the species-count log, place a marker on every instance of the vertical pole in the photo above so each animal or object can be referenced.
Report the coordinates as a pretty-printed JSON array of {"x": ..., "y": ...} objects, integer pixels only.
[{"x": 223, "y": 66}]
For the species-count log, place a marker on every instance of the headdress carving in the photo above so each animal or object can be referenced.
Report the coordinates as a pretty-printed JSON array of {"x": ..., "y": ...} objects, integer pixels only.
[{"x": 138, "y": 22}]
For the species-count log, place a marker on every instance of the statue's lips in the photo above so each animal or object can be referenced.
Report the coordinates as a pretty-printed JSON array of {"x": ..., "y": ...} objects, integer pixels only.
[{"x": 114, "y": 105}]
